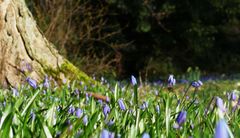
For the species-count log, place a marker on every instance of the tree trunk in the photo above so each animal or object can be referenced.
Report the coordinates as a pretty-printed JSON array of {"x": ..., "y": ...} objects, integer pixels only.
[{"x": 24, "y": 51}]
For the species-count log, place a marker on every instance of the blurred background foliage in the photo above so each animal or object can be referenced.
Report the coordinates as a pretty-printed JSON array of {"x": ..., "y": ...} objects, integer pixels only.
[{"x": 150, "y": 38}]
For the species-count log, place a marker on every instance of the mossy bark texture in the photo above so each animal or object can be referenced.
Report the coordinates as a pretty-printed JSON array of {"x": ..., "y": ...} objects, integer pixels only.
[{"x": 24, "y": 51}]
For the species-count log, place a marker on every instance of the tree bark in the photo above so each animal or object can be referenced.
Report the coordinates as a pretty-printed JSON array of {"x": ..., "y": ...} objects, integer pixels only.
[{"x": 25, "y": 52}]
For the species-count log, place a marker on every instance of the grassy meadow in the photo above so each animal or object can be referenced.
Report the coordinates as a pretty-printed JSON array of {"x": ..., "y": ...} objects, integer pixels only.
[{"x": 127, "y": 109}]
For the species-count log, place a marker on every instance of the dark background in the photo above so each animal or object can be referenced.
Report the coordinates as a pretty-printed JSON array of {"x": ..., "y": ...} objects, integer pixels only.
[{"x": 150, "y": 38}]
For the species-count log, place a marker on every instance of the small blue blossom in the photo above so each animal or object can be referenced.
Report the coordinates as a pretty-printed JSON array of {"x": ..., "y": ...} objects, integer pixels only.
[
  {"x": 181, "y": 118},
  {"x": 76, "y": 91},
  {"x": 32, "y": 82},
  {"x": 106, "y": 134},
  {"x": 59, "y": 108},
  {"x": 144, "y": 105},
  {"x": 46, "y": 83},
  {"x": 121, "y": 104},
  {"x": 58, "y": 134},
  {"x": 71, "y": 110},
  {"x": 100, "y": 102},
  {"x": 158, "y": 109},
  {"x": 233, "y": 96},
  {"x": 87, "y": 97},
  {"x": 106, "y": 110},
  {"x": 178, "y": 102},
  {"x": 85, "y": 88},
  {"x": 133, "y": 80},
  {"x": 220, "y": 105},
  {"x": 44, "y": 92},
  {"x": 15, "y": 92},
  {"x": 107, "y": 99},
  {"x": 145, "y": 135},
  {"x": 171, "y": 81},
  {"x": 197, "y": 84},
  {"x": 110, "y": 123},
  {"x": 221, "y": 130},
  {"x": 79, "y": 112},
  {"x": 70, "y": 127},
  {"x": 192, "y": 126},
  {"x": 33, "y": 115},
  {"x": 85, "y": 120}
]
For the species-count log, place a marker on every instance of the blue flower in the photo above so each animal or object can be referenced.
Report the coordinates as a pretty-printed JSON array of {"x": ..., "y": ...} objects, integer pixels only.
[
  {"x": 44, "y": 92},
  {"x": 144, "y": 105},
  {"x": 221, "y": 129},
  {"x": 233, "y": 96},
  {"x": 197, "y": 84},
  {"x": 158, "y": 109},
  {"x": 106, "y": 134},
  {"x": 76, "y": 91},
  {"x": 46, "y": 83},
  {"x": 178, "y": 102},
  {"x": 171, "y": 81},
  {"x": 220, "y": 105},
  {"x": 33, "y": 115},
  {"x": 111, "y": 122},
  {"x": 145, "y": 135},
  {"x": 15, "y": 92},
  {"x": 106, "y": 110},
  {"x": 134, "y": 81},
  {"x": 107, "y": 99},
  {"x": 85, "y": 120},
  {"x": 100, "y": 102},
  {"x": 71, "y": 110},
  {"x": 87, "y": 97},
  {"x": 181, "y": 118},
  {"x": 121, "y": 104},
  {"x": 32, "y": 82},
  {"x": 79, "y": 112}
]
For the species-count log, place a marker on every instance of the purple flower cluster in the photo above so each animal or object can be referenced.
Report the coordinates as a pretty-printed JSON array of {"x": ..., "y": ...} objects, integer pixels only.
[
  {"x": 71, "y": 110},
  {"x": 197, "y": 84},
  {"x": 171, "y": 81}
]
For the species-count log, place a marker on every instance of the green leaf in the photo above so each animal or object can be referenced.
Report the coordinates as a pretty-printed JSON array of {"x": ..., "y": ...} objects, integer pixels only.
[
  {"x": 90, "y": 126},
  {"x": 51, "y": 116},
  {"x": 46, "y": 131},
  {"x": 30, "y": 103}
]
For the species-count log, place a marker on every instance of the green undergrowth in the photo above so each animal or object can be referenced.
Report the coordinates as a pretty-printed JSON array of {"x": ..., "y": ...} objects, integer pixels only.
[{"x": 55, "y": 111}]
